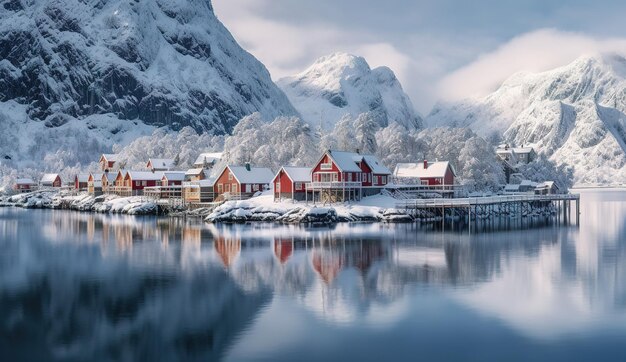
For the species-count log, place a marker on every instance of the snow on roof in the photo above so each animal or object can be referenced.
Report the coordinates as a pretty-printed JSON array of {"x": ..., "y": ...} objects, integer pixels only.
[
  {"x": 145, "y": 175},
  {"x": 511, "y": 187},
  {"x": 345, "y": 160},
  {"x": 256, "y": 175},
  {"x": 83, "y": 177},
  {"x": 528, "y": 183},
  {"x": 546, "y": 185},
  {"x": 96, "y": 176},
  {"x": 209, "y": 157},
  {"x": 194, "y": 171},
  {"x": 110, "y": 176},
  {"x": 416, "y": 170},
  {"x": 161, "y": 162},
  {"x": 174, "y": 175},
  {"x": 25, "y": 181},
  {"x": 297, "y": 174},
  {"x": 202, "y": 183},
  {"x": 376, "y": 166},
  {"x": 111, "y": 157},
  {"x": 49, "y": 177},
  {"x": 521, "y": 150}
]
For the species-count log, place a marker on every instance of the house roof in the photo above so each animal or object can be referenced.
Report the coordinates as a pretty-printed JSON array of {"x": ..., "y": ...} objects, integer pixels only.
[
  {"x": 345, "y": 161},
  {"x": 111, "y": 157},
  {"x": 202, "y": 183},
  {"x": 96, "y": 176},
  {"x": 256, "y": 175},
  {"x": 528, "y": 183},
  {"x": 546, "y": 185},
  {"x": 25, "y": 181},
  {"x": 416, "y": 170},
  {"x": 209, "y": 157},
  {"x": 174, "y": 175},
  {"x": 83, "y": 177},
  {"x": 144, "y": 175},
  {"x": 511, "y": 187},
  {"x": 194, "y": 171},
  {"x": 111, "y": 176},
  {"x": 376, "y": 166},
  {"x": 523, "y": 150},
  {"x": 49, "y": 177},
  {"x": 161, "y": 162},
  {"x": 296, "y": 174}
]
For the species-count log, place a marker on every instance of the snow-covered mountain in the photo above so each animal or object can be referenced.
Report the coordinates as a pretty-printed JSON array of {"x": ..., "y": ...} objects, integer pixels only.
[
  {"x": 575, "y": 114},
  {"x": 164, "y": 62},
  {"x": 341, "y": 84},
  {"x": 106, "y": 71}
]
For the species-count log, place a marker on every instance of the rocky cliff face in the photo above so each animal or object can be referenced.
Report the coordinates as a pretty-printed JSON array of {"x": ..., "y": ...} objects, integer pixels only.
[
  {"x": 342, "y": 84},
  {"x": 158, "y": 62},
  {"x": 575, "y": 114}
]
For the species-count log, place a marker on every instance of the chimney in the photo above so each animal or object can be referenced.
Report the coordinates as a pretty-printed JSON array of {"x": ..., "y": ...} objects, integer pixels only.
[
  {"x": 358, "y": 152},
  {"x": 247, "y": 166},
  {"x": 425, "y": 164}
]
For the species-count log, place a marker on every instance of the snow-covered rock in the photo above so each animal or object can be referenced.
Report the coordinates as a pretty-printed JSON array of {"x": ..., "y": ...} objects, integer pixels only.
[
  {"x": 575, "y": 115},
  {"x": 342, "y": 84},
  {"x": 85, "y": 74}
]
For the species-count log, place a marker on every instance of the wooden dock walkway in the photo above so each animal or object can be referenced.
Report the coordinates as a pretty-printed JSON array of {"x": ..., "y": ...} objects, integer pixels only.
[{"x": 493, "y": 206}]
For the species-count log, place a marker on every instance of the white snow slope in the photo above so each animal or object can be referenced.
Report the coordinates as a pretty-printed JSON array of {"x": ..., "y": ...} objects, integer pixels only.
[
  {"x": 342, "y": 84},
  {"x": 575, "y": 114},
  {"x": 163, "y": 62}
]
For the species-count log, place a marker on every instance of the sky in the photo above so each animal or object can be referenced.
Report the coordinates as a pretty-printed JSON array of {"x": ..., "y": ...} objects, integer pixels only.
[{"x": 439, "y": 49}]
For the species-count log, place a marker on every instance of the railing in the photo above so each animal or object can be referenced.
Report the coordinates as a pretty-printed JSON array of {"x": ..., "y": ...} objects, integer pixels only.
[
  {"x": 163, "y": 192},
  {"x": 332, "y": 185},
  {"x": 120, "y": 190},
  {"x": 464, "y": 202}
]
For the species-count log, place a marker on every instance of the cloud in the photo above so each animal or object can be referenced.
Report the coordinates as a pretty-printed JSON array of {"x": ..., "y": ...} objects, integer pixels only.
[{"x": 536, "y": 51}]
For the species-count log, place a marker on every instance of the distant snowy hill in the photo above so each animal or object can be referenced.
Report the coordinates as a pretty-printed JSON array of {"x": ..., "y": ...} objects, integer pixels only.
[
  {"x": 575, "y": 114},
  {"x": 341, "y": 84}
]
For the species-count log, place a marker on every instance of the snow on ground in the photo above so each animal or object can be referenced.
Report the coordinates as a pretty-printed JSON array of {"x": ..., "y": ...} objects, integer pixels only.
[
  {"x": 263, "y": 208},
  {"x": 53, "y": 199}
]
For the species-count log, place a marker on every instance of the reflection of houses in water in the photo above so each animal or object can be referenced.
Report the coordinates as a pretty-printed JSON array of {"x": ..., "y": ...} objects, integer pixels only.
[
  {"x": 228, "y": 249},
  {"x": 283, "y": 249},
  {"x": 327, "y": 264}
]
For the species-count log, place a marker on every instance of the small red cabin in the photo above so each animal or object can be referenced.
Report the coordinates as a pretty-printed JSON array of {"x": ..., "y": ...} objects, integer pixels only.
[
  {"x": 426, "y": 173},
  {"x": 290, "y": 183},
  {"x": 23, "y": 185},
  {"x": 81, "y": 181},
  {"x": 242, "y": 181},
  {"x": 51, "y": 180},
  {"x": 138, "y": 180},
  {"x": 173, "y": 178},
  {"x": 107, "y": 161}
]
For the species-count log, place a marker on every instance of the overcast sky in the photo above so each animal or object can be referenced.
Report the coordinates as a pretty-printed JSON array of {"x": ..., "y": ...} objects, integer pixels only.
[{"x": 439, "y": 49}]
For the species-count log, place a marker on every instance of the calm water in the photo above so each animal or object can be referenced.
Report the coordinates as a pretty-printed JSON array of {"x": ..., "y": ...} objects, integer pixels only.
[{"x": 77, "y": 286}]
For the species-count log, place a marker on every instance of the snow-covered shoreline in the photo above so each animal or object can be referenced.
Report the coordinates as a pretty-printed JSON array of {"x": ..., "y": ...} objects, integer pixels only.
[
  {"x": 262, "y": 208},
  {"x": 51, "y": 199}
]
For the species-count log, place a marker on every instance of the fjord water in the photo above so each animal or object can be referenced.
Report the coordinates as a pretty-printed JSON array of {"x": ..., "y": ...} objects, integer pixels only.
[{"x": 79, "y": 286}]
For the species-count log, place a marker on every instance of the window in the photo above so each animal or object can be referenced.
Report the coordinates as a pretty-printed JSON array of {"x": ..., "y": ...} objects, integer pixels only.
[
  {"x": 358, "y": 177},
  {"x": 384, "y": 180},
  {"x": 220, "y": 188},
  {"x": 424, "y": 182},
  {"x": 298, "y": 185},
  {"x": 369, "y": 177},
  {"x": 255, "y": 187},
  {"x": 277, "y": 187},
  {"x": 326, "y": 166},
  {"x": 349, "y": 177},
  {"x": 144, "y": 183},
  {"x": 375, "y": 180},
  {"x": 227, "y": 188},
  {"x": 234, "y": 188},
  {"x": 230, "y": 176}
]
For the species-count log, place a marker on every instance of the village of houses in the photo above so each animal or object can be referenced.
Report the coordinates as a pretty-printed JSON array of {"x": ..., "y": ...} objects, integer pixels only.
[{"x": 338, "y": 178}]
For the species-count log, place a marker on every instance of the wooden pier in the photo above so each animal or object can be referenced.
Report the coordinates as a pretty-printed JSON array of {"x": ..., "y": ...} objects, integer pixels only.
[{"x": 512, "y": 206}]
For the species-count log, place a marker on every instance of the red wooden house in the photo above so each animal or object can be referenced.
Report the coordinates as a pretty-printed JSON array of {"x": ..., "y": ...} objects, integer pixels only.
[
  {"x": 51, "y": 180},
  {"x": 242, "y": 181},
  {"x": 81, "y": 181},
  {"x": 23, "y": 185},
  {"x": 426, "y": 173},
  {"x": 340, "y": 176},
  {"x": 173, "y": 178},
  {"x": 138, "y": 180},
  {"x": 290, "y": 183},
  {"x": 107, "y": 161}
]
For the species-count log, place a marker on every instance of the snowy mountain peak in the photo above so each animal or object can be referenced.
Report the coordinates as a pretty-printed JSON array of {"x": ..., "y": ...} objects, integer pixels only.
[
  {"x": 574, "y": 114},
  {"x": 344, "y": 84}
]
